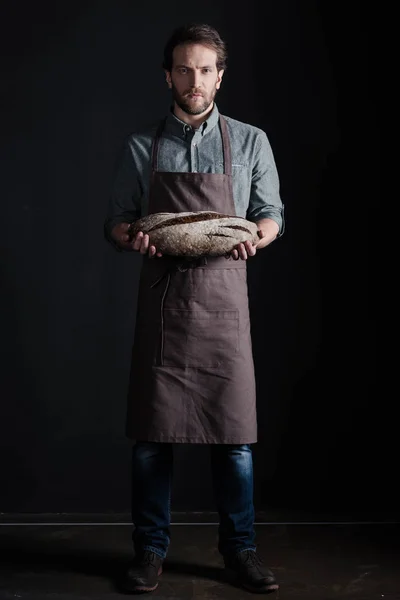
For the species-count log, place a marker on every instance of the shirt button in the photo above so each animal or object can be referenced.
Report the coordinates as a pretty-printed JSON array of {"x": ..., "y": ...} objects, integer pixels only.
[{"x": 194, "y": 144}]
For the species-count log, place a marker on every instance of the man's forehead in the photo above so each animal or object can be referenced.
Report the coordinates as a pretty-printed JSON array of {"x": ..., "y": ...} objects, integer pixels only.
[{"x": 194, "y": 52}]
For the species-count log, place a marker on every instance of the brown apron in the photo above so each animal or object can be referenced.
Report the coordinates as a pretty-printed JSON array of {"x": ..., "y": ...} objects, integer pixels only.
[{"x": 192, "y": 374}]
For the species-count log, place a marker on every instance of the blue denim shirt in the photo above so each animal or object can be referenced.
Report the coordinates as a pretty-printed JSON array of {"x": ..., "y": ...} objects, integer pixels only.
[{"x": 182, "y": 148}]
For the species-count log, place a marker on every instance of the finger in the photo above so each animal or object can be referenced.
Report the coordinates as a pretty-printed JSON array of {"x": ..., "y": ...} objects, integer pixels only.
[
  {"x": 145, "y": 244},
  {"x": 235, "y": 254},
  {"x": 125, "y": 237},
  {"x": 138, "y": 241},
  {"x": 242, "y": 251},
  {"x": 251, "y": 250},
  {"x": 159, "y": 254},
  {"x": 152, "y": 251}
]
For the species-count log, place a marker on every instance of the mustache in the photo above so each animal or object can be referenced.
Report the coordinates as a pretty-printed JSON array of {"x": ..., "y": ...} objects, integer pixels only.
[{"x": 190, "y": 92}]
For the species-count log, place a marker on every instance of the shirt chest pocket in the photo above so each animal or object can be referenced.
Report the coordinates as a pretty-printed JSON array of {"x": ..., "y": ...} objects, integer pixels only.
[{"x": 236, "y": 165}]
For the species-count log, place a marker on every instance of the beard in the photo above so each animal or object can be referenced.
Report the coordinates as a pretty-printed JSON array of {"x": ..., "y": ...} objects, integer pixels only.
[{"x": 189, "y": 106}]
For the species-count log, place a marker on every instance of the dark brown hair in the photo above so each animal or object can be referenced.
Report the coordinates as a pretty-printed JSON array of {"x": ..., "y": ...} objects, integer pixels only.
[{"x": 196, "y": 33}]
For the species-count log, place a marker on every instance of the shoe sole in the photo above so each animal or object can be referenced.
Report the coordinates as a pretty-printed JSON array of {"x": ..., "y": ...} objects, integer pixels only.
[
  {"x": 143, "y": 588},
  {"x": 264, "y": 590},
  {"x": 232, "y": 575}
]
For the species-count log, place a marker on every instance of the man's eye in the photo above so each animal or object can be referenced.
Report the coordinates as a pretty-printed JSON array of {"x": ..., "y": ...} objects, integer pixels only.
[{"x": 183, "y": 71}]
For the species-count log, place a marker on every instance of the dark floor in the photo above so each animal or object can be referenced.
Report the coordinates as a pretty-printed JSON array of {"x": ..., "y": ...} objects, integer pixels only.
[{"x": 311, "y": 561}]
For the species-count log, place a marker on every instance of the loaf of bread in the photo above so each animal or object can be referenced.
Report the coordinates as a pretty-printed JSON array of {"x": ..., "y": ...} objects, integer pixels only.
[{"x": 194, "y": 234}]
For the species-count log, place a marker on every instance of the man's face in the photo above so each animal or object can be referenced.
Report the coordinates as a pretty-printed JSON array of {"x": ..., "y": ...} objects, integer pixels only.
[{"x": 194, "y": 79}]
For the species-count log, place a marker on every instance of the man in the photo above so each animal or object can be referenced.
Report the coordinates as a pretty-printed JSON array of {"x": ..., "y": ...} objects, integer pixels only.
[{"x": 192, "y": 377}]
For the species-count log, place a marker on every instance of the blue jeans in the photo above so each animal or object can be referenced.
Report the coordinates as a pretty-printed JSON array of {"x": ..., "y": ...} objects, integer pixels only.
[{"x": 232, "y": 476}]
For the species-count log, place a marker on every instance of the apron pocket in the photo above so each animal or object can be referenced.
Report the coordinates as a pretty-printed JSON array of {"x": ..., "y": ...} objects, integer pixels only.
[{"x": 199, "y": 338}]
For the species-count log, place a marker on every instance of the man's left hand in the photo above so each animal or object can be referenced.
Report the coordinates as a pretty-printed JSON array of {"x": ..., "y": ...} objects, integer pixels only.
[
  {"x": 247, "y": 249},
  {"x": 267, "y": 232},
  {"x": 243, "y": 251}
]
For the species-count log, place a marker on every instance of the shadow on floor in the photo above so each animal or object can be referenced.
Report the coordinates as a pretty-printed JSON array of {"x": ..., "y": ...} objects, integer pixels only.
[{"x": 52, "y": 558}]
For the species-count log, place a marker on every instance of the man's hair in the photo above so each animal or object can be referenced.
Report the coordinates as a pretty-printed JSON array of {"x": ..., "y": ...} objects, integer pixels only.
[{"x": 196, "y": 33}]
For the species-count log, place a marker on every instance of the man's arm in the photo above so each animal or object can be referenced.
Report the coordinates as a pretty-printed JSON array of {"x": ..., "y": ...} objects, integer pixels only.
[
  {"x": 265, "y": 204},
  {"x": 268, "y": 230},
  {"x": 125, "y": 200}
]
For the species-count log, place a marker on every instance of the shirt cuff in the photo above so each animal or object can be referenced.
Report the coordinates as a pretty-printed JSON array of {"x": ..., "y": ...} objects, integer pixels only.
[{"x": 279, "y": 219}]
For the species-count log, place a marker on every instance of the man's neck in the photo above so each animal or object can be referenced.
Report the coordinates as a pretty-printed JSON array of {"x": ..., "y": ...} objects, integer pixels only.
[{"x": 193, "y": 120}]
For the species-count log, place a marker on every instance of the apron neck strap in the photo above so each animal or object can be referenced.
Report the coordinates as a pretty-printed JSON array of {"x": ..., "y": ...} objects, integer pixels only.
[
  {"x": 227, "y": 146},
  {"x": 225, "y": 143}
]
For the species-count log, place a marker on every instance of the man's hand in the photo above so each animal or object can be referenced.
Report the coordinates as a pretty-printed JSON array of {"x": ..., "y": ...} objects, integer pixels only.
[
  {"x": 243, "y": 251},
  {"x": 267, "y": 232},
  {"x": 247, "y": 249},
  {"x": 120, "y": 233}
]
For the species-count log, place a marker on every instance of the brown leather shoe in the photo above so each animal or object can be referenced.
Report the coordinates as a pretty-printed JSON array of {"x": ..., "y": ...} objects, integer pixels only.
[
  {"x": 142, "y": 575},
  {"x": 250, "y": 572}
]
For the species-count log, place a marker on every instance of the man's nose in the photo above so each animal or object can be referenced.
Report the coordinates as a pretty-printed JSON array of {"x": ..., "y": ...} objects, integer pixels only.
[{"x": 195, "y": 79}]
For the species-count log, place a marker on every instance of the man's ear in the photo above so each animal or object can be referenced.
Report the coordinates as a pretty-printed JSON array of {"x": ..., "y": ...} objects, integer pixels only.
[
  {"x": 219, "y": 78},
  {"x": 168, "y": 78}
]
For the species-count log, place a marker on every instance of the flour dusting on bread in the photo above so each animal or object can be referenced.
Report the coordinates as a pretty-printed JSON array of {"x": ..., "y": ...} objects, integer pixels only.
[{"x": 195, "y": 233}]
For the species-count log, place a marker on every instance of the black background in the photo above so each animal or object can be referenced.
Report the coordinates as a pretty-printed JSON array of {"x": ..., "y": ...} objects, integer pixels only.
[{"x": 76, "y": 79}]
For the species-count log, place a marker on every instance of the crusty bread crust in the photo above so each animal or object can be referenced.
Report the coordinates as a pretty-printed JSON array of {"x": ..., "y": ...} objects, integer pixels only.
[{"x": 202, "y": 233}]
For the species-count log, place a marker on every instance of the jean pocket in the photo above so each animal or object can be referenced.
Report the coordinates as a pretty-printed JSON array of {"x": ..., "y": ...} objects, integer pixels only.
[{"x": 199, "y": 338}]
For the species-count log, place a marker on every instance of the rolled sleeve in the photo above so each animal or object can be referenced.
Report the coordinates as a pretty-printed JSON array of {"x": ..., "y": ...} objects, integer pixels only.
[
  {"x": 265, "y": 201},
  {"x": 125, "y": 199}
]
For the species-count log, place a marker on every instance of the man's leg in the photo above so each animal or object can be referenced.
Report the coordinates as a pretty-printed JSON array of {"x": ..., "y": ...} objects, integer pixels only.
[
  {"x": 232, "y": 473},
  {"x": 151, "y": 495}
]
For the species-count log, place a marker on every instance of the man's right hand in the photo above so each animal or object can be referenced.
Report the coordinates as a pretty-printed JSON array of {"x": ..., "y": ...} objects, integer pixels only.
[{"x": 120, "y": 233}]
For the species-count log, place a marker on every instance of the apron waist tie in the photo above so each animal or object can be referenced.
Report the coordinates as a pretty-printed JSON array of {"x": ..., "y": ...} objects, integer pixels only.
[{"x": 182, "y": 266}]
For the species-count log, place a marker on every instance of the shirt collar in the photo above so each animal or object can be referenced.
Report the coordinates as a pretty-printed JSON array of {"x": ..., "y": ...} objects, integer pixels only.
[{"x": 178, "y": 127}]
